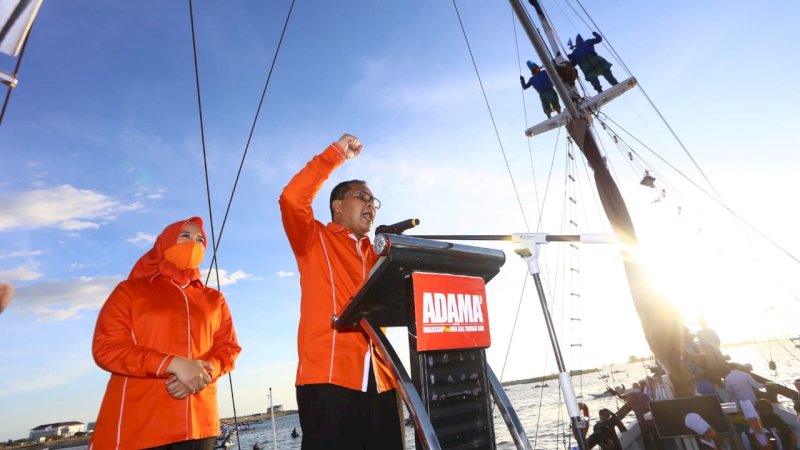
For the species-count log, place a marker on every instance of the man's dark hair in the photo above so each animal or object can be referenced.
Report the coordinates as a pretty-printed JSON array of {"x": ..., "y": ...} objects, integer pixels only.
[{"x": 338, "y": 192}]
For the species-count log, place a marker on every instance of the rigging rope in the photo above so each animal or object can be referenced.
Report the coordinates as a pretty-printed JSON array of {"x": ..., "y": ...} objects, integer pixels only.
[
  {"x": 643, "y": 165},
  {"x": 639, "y": 165},
  {"x": 587, "y": 175},
  {"x": 540, "y": 207},
  {"x": 208, "y": 193},
  {"x": 788, "y": 351},
  {"x": 203, "y": 144},
  {"x": 215, "y": 240},
  {"x": 561, "y": 47},
  {"x": 514, "y": 326},
  {"x": 539, "y": 411},
  {"x": 253, "y": 128},
  {"x": 649, "y": 100},
  {"x": 787, "y": 316},
  {"x": 716, "y": 197},
  {"x": 525, "y": 114},
  {"x": 491, "y": 115},
  {"x": 767, "y": 327},
  {"x": 716, "y": 200},
  {"x": 574, "y": 294},
  {"x": 761, "y": 351},
  {"x": 549, "y": 178}
]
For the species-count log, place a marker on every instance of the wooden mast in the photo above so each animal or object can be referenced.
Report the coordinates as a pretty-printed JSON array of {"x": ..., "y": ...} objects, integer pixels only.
[{"x": 662, "y": 324}]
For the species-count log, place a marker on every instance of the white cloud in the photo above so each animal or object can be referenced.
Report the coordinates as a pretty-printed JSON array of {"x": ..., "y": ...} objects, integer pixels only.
[
  {"x": 64, "y": 299},
  {"x": 149, "y": 192},
  {"x": 20, "y": 254},
  {"x": 63, "y": 207},
  {"x": 142, "y": 239},
  {"x": 284, "y": 274},
  {"x": 72, "y": 225},
  {"x": 224, "y": 278},
  {"x": 129, "y": 207},
  {"x": 20, "y": 273}
]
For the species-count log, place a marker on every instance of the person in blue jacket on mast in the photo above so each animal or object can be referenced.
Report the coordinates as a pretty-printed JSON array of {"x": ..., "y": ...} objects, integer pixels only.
[
  {"x": 592, "y": 64},
  {"x": 544, "y": 86}
]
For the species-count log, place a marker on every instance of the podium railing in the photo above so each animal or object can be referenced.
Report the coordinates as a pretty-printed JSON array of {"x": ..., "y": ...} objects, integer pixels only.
[{"x": 455, "y": 409}]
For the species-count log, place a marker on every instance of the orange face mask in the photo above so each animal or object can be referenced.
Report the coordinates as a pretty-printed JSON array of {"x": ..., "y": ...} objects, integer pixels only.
[{"x": 186, "y": 255}]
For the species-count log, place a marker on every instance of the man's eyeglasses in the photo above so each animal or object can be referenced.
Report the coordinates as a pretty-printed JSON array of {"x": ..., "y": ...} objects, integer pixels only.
[{"x": 367, "y": 198}]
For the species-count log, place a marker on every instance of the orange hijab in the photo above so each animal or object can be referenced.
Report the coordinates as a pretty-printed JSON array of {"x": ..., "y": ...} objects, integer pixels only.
[{"x": 153, "y": 261}]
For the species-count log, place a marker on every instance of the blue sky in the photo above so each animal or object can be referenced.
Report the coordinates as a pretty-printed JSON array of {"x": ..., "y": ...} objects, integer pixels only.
[{"x": 101, "y": 149}]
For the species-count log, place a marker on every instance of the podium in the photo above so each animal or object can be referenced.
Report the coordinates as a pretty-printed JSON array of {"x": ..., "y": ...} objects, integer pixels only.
[{"x": 436, "y": 290}]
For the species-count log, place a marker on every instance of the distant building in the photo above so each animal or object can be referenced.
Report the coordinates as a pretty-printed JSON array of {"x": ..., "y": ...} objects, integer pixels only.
[
  {"x": 64, "y": 429},
  {"x": 278, "y": 409}
]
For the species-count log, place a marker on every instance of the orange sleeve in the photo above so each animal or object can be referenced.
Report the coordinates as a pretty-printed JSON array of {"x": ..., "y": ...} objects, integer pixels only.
[
  {"x": 114, "y": 348},
  {"x": 226, "y": 348},
  {"x": 298, "y": 195}
]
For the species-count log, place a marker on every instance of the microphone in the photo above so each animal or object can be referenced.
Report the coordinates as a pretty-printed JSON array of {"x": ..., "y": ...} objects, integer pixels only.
[{"x": 397, "y": 228}]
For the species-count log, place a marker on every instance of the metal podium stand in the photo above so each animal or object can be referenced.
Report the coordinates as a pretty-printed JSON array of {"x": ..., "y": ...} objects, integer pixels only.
[{"x": 447, "y": 394}]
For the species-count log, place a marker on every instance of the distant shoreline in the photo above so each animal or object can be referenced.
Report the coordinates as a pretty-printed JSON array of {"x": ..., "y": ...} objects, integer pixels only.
[
  {"x": 254, "y": 418},
  {"x": 632, "y": 359},
  {"x": 552, "y": 376}
]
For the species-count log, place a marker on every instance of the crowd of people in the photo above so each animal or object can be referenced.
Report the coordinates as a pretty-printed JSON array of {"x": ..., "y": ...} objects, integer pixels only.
[
  {"x": 756, "y": 425},
  {"x": 166, "y": 338}
]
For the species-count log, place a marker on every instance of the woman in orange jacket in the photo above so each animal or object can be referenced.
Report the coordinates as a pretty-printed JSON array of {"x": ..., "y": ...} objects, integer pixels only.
[{"x": 166, "y": 338}]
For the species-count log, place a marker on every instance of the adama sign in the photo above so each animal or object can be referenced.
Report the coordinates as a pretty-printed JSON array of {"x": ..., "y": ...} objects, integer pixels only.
[{"x": 450, "y": 311}]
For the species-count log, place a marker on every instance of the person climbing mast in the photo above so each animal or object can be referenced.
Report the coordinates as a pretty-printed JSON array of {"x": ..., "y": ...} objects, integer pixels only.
[
  {"x": 592, "y": 64},
  {"x": 544, "y": 86}
]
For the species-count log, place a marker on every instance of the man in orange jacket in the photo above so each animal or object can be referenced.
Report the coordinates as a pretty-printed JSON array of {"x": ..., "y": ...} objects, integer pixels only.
[{"x": 345, "y": 400}]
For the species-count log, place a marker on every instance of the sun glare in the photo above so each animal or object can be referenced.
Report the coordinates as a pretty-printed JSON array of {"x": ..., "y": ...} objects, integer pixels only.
[{"x": 703, "y": 273}]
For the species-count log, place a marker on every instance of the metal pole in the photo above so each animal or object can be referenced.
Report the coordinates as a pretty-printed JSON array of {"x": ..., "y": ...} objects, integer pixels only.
[
  {"x": 531, "y": 244},
  {"x": 548, "y": 320},
  {"x": 563, "y": 376},
  {"x": 16, "y": 72},
  {"x": 272, "y": 415},
  {"x": 405, "y": 386},
  {"x": 548, "y": 31}
]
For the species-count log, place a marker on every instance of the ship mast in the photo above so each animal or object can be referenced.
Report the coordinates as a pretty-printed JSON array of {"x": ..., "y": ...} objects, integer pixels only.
[
  {"x": 662, "y": 324},
  {"x": 548, "y": 31},
  {"x": 564, "y": 92}
]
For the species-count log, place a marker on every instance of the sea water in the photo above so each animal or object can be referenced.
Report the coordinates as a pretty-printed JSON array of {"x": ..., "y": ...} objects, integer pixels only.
[{"x": 541, "y": 409}]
